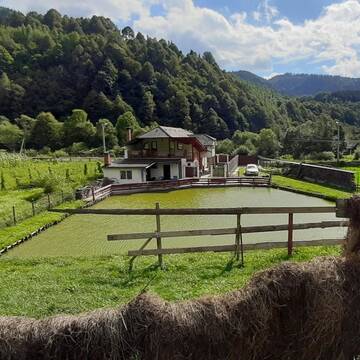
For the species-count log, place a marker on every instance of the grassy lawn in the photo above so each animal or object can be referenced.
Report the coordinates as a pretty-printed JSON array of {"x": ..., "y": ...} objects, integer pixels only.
[
  {"x": 310, "y": 187},
  {"x": 45, "y": 287},
  {"x": 18, "y": 198}
]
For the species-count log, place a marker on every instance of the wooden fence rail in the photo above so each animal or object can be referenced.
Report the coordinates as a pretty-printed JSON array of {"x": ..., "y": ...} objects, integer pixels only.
[
  {"x": 238, "y": 247},
  {"x": 117, "y": 189},
  {"x": 228, "y": 231},
  {"x": 204, "y": 211}
]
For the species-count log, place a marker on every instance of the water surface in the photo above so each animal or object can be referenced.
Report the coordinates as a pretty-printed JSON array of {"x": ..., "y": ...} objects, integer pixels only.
[{"x": 83, "y": 235}]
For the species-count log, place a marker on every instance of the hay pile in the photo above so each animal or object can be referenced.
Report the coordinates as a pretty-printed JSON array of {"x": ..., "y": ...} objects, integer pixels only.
[
  {"x": 294, "y": 311},
  {"x": 304, "y": 311}
]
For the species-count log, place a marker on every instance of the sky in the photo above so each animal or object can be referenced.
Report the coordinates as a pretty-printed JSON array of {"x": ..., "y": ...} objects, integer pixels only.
[{"x": 267, "y": 37}]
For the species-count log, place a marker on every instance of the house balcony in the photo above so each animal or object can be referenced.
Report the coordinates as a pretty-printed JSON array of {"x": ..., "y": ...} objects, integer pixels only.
[{"x": 153, "y": 154}]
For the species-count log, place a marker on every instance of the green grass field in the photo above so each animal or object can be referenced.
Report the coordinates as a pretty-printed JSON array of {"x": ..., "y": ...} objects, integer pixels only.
[
  {"x": 20, "y": 172},
  {"x": 23, "y": 180},
  {"x": 309, "y": 187},
  {"x": 43, "y": 287}
]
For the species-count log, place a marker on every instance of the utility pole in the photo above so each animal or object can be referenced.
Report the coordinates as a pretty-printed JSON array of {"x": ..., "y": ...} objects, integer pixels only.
[
  {"x": 338, "y": 142},
  {"x": 103, "y": 136}
]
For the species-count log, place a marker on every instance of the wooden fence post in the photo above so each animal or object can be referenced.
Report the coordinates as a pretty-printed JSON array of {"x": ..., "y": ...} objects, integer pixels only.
[
  {"x": 62, "y": 196},
  {"x": 33, "y": 207},
  {"x": 14, "y": 214},
  {"x": 158, "y": 237},
  {"x": 93, "y": 194},
  {"x": 49, "y": 202},
  {"x": 237, "y": 237},
  {"x": 290, "y": 233},
  {"x": 239, "y": 241}
]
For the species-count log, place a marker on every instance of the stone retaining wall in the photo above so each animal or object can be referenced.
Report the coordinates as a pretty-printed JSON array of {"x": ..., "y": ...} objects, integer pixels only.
[{"x": 322, "y": 175}]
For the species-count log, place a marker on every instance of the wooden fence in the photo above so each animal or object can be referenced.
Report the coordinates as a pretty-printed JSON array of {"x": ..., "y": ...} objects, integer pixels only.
[
  {"x": 238, "y": 247},
  {"x": 117, "y": 189}
]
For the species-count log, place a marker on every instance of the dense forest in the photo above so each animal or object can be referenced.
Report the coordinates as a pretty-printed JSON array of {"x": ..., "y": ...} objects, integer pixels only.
[
  {"x": 62, "y": 79},
  {"x": 302, "y": 84}
]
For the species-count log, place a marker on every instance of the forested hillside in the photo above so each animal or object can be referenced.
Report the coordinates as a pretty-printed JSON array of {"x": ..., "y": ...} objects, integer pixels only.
[
  {"x": 61, "y": 78},
  {"x": 302, "y": 84},
  {"x": 252, "y": 78}
]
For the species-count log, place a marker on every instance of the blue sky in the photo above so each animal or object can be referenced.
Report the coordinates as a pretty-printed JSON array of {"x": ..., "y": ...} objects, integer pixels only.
[
  {"x": 266, "y": 37},
  {"x": 295, "y": 10}
]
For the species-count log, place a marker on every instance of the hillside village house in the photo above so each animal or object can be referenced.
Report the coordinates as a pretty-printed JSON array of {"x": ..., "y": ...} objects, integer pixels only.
[{"x": 164, "y": 153}]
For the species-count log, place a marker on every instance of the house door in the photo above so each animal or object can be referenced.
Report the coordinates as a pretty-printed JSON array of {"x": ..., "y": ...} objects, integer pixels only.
[
  {"x": 148, "y": 175},
  {"x": 167, "y": 174}
]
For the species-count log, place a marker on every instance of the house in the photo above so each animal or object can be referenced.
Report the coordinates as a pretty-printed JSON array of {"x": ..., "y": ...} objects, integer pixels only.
[
  {"x": 351, "y": 148},
  {"x": 210, "y": 144},
  {"x": 163, "y": 153}
]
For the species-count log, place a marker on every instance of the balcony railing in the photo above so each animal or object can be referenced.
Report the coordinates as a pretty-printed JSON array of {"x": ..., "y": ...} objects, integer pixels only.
[{"x": 136, "y": 154}]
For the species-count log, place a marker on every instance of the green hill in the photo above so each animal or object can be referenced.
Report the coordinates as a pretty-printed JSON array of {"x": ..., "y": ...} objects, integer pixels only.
[
  {"x": 57, "y": 63},
  {"x": 302, "y": 84}
]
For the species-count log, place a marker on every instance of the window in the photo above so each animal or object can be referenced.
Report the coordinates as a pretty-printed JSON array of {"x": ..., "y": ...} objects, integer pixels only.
[
  {"x": 154, "y": 145},
  {"x": 126, "y": 174},
  {"x": 172, "y": 145},
  {"x": 179, "y": 146},
  {"x": 146, "y": 146}
]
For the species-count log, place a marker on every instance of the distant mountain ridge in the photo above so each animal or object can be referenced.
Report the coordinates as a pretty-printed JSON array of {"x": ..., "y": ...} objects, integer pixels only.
[
  {"x": 302, "y": 84},
  {"x": 252, "y": 78}
]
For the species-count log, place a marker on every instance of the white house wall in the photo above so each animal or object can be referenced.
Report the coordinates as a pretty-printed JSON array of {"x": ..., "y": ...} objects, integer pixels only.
[
  {"x": 138, "y": 175},
  {"x": 158, "y": 173}
]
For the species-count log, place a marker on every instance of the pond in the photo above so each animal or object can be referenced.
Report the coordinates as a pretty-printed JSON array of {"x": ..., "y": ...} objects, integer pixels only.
[{"x": 85, "y": 235}]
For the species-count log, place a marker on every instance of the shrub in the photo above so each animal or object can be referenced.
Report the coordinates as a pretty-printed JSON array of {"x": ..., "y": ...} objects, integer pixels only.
[
  {"x": 288, "y": 157},
  {"x": 60, "y": 153},
  {"x": 45, "y": 150},
  {"x": 77, "y": 148},
  {"x": 241, "y": 150},
  {"x": 31, "y": 152},
  {"x": 118, "y": 150},
  {"x": 357, "y": 154},
  {"x": 324, "y": 156}
]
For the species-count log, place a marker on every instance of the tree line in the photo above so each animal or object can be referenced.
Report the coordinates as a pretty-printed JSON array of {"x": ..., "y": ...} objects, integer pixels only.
[{"x": 76, "y": 132}]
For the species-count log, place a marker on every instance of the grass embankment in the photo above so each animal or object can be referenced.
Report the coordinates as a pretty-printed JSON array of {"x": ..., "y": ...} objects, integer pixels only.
[
  {"x": 310, "y": 188},
  {"x": 45, "y": 287},
  {"x": 11, "y": 234}
]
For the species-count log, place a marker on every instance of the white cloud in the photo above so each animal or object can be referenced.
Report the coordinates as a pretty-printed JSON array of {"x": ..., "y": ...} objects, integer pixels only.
[
  {"x": 115, "y": 9},
  {"x": 333, "y": 38},
  {"x": 273, "y": 74},
  {"x": 265, "y": 12},
  {"x": 331, "y": 41}
]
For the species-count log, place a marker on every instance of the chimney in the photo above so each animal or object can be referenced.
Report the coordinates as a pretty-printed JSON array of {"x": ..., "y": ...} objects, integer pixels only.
[
  {"x": 129, "y": 134},
  {"x": 107, "y": 159}
]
